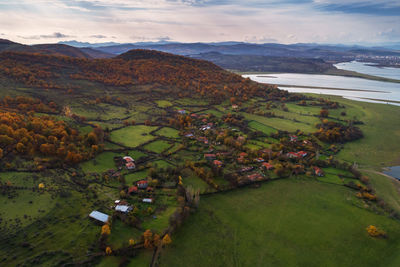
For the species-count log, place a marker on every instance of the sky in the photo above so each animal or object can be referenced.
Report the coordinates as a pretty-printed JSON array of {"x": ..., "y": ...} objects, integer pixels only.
[{"x": 256, "y": 21}]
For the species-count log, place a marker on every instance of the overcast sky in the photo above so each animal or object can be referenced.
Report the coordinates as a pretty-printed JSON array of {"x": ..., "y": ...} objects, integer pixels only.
[{"x": 258, "y": 21}]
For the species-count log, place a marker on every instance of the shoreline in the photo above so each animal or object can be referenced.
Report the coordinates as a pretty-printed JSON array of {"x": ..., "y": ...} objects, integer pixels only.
[{"x": 330, "y": 88}]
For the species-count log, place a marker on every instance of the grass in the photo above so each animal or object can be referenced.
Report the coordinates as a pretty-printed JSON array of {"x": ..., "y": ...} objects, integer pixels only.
[
  {"x": 136, "y": 176},
  {"x": 161, "y": 222},
  {"x": 27, "y": 203},
  {"x": 262, "y": 127},
  {"x": 168, "y": 132},
  {"x": 380, "y": 145},
  {"x": 281, "y": 124},
  {"x": 161, "y": 164},
  {"x": 101, "y": 163},
  {"x": 191, "y": 179},
  {"x": 133, "y": 136},
  {"x": 163, "y": 103},
  {"x": 121, "y": 233},
  {"x": 158, "y": 146},
  {"x": 283, "y": 223}
]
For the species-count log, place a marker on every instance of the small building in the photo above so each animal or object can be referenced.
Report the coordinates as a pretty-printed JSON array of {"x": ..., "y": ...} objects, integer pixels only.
[
  {"x": 189, "y": 135},
  {"x": 132, "y": 190},
  {"x": 116, "y": 202},
  {"x": 217, "y": 163},
  {"x": 148, "y": 200},
  {"x": 235, "y": 107},
  {"x": 143, "y": 184},
  {"x": 99, "y": 216},
  {"x": 150, "y": 189},
  {"x": 293, "y": 138},
  {"x": 129, "y": 162},
  {"x": 123, "y": 208},
  {"x": 182, "y": 111},
  {"x": 193, "y": 115},
  {"x": 259, "y": 160},
  {"x": 205, "y": 128},
  {"x": 203, "y": 139},
  {"x": 255, "y": 177},
  {"x": 247, "y": 169},
  {"x": 267, "y": 166},
  {"x": 318, "y": 171}
]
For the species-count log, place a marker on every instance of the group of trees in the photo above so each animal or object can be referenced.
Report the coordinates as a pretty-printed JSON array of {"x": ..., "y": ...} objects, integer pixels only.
[
  {"x": 29, "y": 135},
  {"x": 196, "y": 77},
  {"x": 333, "y": 132}
]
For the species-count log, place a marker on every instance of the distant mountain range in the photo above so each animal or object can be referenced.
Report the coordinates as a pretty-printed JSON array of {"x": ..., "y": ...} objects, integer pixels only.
[{"x": 238, "y": 56}]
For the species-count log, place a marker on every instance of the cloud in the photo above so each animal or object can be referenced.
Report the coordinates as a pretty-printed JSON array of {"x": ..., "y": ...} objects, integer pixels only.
[
  {"x": 98, "y": 36},
  {"x": 55, "y": 35},
  {"x": 259, "y": 21}
]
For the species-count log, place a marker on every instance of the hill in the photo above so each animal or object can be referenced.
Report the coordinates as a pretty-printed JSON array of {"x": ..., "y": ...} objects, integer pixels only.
[
  {"x": 45, "y": 49},
  {"x": 183, "y": 75}
]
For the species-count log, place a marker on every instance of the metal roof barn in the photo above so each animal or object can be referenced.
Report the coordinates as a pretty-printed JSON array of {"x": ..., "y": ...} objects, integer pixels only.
[{"x": 99, "y": 216}]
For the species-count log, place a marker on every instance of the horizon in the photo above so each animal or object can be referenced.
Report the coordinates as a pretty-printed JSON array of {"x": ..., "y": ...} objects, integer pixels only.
[{"x": 354, "y": 22}]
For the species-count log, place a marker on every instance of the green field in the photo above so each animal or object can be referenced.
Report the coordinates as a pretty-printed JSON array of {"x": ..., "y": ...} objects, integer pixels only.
[
  {"x": 164, "y": 103},
  {"x": 168, "y": 132},
  {"x": 133, "y": 136},
  {"x": 283, "y": 223},
  {"x": 101, "y": 163},
  {"x": 158, "y": 146},
  {"x": 261, "y": 127}
]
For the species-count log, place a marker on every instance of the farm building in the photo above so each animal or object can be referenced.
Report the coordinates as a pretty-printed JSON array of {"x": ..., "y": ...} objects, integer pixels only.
[
  {"x": 129, "y": 162},
  {"x": 143, "y": 184},
  {"x": 255, "y": 177},
  {"x": 99, "y": 216},
  {"x": 267, "y": 166},
  {"x": 132, "y": 190},
  {"x": 148, "y": 200},
  {"x": 259, "y": 160},
  {"x": 182, "y": 111},
  {"x": 123, "y": 208},
  {"x": 318, "y": 171},
  {"x": 217, "y": 163}
]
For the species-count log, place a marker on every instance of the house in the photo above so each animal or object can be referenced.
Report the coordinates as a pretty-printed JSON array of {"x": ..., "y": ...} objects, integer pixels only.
[
  {"x": 129, "y": 162},
  {"x": 259, "y": 160},
  {"x": 293, "y": 138},
  {"x": 130, "y": 165},
  {"x": 193, "y": 115},
  {"x": 123, "y": 208},
  {"x": 302, "y": 154},
  {"x": 117, "y": 201},
  {"x": 203, "y": 139},
  {"x": 189, "y": 135},
  {"x": 143, "y": 184},
  {"x": 210, "y": 156},
  {"x": 235, "y": 107},
  {"x": 318, "y": 171},
  {"x": 132, "y": 190},
  {"x": 150, "y": 189},
  {"x": 182, "y": 111},
  {"x": 247, "y": 169},
  {"x": 148, "y": 200},
  {"x": 99, "y": 216},
  {"x": 243, "y": 154},
  {"x": 255, "y": 177},
  {"x": 267, "y": 166},
  {"x": 217, "y": 163},
  {"x": 294, "y": 155},
  {"x": 205, "y": 128}
]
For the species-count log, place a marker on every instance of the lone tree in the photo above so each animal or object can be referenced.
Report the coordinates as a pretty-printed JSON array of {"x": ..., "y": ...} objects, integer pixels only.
[
  {"x": 105, "y": 230},
  {"x": 166, "y": 240}
]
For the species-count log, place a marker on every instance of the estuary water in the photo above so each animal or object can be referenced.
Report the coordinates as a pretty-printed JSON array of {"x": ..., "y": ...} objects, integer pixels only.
[
  {"x": 370, "y": 69},
  {"x": 348, "y": 87},
  {"x": 394, "y": 172}
]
